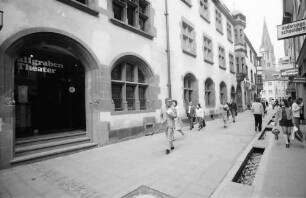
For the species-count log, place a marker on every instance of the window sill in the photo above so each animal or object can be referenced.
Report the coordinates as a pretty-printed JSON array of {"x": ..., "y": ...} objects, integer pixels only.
[
  {"x": 220, "y": 31},
  {"x": 230, "y": 41},
  {"x": 80, "y": 6},
  {"x": 131, "y": 28},
  {"x": 188, "y": 3},
  {"x": 209, "y": 61},
  {"x": 131, "y": 112},
  {"x": 205, "y": 18},
  {"x": 190, "y": 53},
  {"x": 222, "y": 67},
  {"x": 233, "y": 72}
]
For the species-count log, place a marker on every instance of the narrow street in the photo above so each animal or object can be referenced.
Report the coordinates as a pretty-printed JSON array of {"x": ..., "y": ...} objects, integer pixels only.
[{"x": 195, "y": 168}]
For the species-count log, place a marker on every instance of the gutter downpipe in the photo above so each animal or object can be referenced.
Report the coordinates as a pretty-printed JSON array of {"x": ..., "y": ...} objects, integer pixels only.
[{"x": 168, "y": 50}]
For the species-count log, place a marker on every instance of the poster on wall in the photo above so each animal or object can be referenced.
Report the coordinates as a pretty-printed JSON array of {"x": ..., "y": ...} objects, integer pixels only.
[{"x": 22, "y": 94}]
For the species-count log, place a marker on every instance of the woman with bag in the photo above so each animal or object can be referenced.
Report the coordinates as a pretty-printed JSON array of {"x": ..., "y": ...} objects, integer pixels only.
[
  {"x": 200, "y": 116},
  {"x": 284, "y": 118},
  {"x": 224, "y": 108},
  {"x": 178, "y": 121},
  {"x": 297, "y": 106}
]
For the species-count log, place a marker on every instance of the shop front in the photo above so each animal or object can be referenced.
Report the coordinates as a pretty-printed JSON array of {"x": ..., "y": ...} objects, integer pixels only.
[
  {"x": 49, "y": 92},
  {"x": 46, "y": 82}
]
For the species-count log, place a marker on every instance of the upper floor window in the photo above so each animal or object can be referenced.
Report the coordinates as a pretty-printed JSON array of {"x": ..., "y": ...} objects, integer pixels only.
[
  {"x": 252, "y": 76},
  {"x": 247, "y": 72},
  {"x": 188, "y": 39},
  {"x": 229, "y": 32},
  {"x": 236, "y": 35},
  {"x": 89, "y": 6},
  {"x": 222, "y": 63},
  {"x": 129, "y": 86},
  {"x": 133, "y": 13},
  {"x": 231, "y": 62},
  {"x": 269, "y": 83},
  {"x": 251, "y": 56},
  {"x": 204, "y": 10},
  {"x": 237, "y": 64},
  {"x": 219, "y": 24},
  {"x": 208, "y": 50},
  {"x": 246, "y": 49}
]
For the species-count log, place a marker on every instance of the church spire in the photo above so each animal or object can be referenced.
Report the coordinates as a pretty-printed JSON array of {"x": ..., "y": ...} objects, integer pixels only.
[
  {"x": 267, "y": 49},
  {"x": 265, "y": 38}
]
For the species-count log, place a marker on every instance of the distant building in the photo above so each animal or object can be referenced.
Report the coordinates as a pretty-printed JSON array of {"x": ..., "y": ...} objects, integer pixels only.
[{"x": 274, "y": 88}]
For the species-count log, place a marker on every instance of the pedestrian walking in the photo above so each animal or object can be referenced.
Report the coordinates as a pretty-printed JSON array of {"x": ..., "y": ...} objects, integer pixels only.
[
  {"x": 200, "y": 116},
  {"x": 258, "y": 111},
  {"x": 224, "y": 109},
  {"x": 297, "y": 107},
  {"x": 233, "y": 109},
  {"x": 284, "y": 118},
  {"x": 190, "y": 111},
  {"x": 264, "y": 106},
  {"x": 170, "y": 116},
  {"x": 163, "y": 117},
  {"x": 178, "y": 119}
]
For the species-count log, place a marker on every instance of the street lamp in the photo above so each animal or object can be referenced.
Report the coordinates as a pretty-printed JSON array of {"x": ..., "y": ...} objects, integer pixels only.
[{"x": 1, "y": 19}]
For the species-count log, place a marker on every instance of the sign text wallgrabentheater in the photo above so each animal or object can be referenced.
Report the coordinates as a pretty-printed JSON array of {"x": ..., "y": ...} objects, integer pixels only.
[
  {"x": 290, "y": 72},
  {"x": 29, "y": 64},
  {"x": 293, "y": 29}
]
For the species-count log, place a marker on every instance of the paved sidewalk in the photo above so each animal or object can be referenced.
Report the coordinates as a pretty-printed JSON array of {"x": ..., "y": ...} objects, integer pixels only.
[
  {"x": 284, "y": 171},
  {"x": 194, "y": 169}
]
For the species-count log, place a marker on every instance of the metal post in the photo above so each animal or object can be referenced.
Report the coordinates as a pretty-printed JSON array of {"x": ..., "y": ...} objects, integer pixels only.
[{"x": 168, "y": 50}]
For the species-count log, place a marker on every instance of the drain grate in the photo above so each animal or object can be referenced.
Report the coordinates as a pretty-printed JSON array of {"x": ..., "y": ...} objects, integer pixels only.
[
  {"x": 144, "y": 191},
  {"x": 248, "y": 169}
]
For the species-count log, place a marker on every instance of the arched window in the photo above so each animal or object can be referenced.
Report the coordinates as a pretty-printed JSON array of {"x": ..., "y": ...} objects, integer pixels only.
[
  {"x": 233, "y": 94},
  {"x": 209, "y": 93},
  {"x": 129, "y": 85},
  {"x": 189, "y": 88},
  {"x": 223, "y": 92}
]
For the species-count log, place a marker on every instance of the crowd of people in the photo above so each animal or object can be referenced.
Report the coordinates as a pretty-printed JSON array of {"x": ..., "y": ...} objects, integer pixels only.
[
  {"x": 288, "y": 116},
  {"x": 172, "y": 120}
]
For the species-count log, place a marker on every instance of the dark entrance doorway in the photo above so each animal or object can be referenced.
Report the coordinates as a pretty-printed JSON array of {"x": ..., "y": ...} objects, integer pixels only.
[{"x": 49, "y": 87}]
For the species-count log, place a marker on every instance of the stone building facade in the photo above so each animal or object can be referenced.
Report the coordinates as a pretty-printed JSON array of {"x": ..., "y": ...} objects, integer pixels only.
[{"x": 103, "y": 68}]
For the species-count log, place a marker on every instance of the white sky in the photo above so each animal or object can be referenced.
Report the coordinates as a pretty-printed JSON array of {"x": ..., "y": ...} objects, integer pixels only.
[{"x": 255, "y": 11}]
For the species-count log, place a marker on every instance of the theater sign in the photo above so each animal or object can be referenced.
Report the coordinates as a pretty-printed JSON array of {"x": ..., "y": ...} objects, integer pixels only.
[{"x": 293, "y": 29}]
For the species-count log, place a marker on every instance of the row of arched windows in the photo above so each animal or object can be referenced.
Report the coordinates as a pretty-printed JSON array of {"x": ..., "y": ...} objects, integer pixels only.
[
  {"x": 130, "y": 86},
  {"x": 209, "y": 88}
]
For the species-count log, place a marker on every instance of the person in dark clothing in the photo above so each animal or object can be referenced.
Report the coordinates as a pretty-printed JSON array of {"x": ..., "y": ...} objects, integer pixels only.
[
  {"x": 264, "y": 106},
  {"x": 233, "y": 109},
  {"x": 190, "y": 111}
]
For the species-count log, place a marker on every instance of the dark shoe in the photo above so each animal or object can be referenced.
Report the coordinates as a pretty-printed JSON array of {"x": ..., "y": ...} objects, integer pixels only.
[
  {"x": 172, "y": 148},
  {"x": 234, "y": 121},
  {"x": 287, "y": 145},
  {"x": 167, "y": 151}
]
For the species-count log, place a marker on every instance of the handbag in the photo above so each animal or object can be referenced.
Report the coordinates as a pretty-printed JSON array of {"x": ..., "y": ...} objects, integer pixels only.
[
  {"x": 302, "y": 116},
  {"x": 299, "y": 136},
  {"x": 275, "y": 131}
]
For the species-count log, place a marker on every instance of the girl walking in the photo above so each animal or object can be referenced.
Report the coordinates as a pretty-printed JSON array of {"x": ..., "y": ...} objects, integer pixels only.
[
  {"x": 284, "y": 119},
  {"x": 200, "y": 116},
  {"x": 178, "y": 120},
  {"x": 224, "y": 109}
]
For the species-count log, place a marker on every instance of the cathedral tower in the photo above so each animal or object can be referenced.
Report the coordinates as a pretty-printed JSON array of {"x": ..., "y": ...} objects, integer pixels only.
[{"x": 267, "y": 50}]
